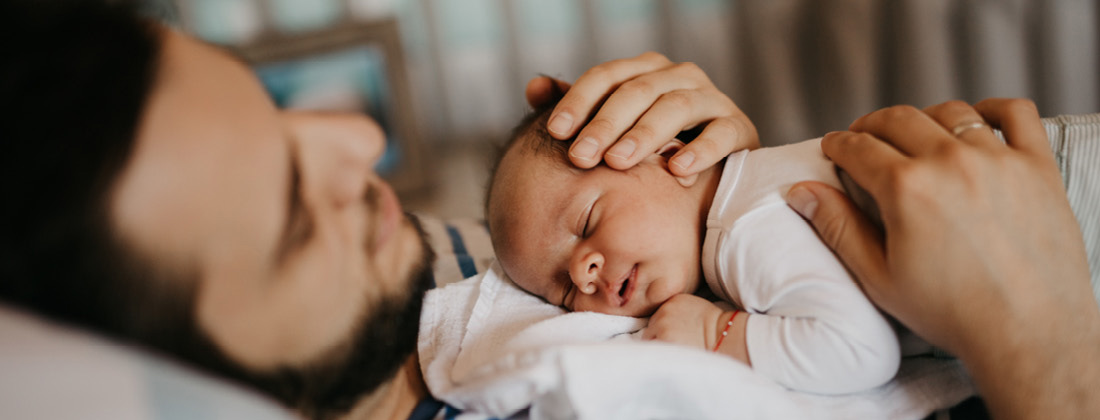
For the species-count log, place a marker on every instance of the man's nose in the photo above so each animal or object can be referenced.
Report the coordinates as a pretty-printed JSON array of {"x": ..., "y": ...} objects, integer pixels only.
[
  {"x": 359, "y": 137},
  {"x": 338, "y": 151},
  {"x": 362, "y": 136},
  {"x": 373, "y": 136}
]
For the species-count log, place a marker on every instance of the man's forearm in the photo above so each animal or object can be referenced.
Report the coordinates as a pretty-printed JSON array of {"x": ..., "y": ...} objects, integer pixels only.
[{"x": 1051, "y": 372}]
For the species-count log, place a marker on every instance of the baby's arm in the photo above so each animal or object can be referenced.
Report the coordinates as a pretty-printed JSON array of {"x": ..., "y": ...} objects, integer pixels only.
[
  {"x": 811, "y": 327},
  {"x": 696, "y": 322},
  {"x": 835, "y": 351}
]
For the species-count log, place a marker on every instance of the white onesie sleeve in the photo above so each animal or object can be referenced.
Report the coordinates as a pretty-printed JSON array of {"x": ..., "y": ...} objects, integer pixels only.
[{"x": 810, "y": 326}]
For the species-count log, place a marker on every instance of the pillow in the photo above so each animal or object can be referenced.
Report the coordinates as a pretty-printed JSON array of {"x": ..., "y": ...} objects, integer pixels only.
[
  {"x": 1075, "y": 141},
  {"x": 55, "y": 372},
  {"x": 462, "y": 247}
]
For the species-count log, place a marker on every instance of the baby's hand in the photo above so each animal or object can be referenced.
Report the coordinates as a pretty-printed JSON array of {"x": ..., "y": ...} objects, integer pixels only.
[{"x": 685, "y": 319}]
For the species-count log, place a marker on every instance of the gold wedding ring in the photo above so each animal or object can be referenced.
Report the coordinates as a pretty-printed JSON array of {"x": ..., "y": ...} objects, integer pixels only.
[{"x": 962, "y": 128}]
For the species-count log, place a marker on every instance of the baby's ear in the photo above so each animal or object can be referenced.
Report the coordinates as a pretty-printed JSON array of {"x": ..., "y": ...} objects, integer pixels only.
[{"x": 666, "y": 152}]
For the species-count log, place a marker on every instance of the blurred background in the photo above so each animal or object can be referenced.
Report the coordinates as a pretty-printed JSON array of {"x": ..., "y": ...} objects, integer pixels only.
[{"x": 445, "y": 77}]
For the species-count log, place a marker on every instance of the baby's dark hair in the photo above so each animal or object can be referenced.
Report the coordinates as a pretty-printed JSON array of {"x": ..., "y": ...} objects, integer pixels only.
[{"x": 531, "y": 133}]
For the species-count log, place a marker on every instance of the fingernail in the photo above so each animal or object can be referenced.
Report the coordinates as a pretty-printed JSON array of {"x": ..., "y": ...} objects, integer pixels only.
[
  {"x": 584, "y": 148},
  {"x": 803, "y": 201},
  {"x": 560, "y": 124},
  {"x": 684, "y": 160},
  {"x": 624, "y": 149}
]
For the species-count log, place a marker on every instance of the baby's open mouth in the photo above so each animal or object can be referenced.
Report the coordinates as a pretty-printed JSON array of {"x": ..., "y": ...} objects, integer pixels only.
[{"x": 626, "y": 290}]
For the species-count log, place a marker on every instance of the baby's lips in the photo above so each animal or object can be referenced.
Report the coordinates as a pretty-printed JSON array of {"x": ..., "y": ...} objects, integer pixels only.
[{"x": 628, "y": 286}]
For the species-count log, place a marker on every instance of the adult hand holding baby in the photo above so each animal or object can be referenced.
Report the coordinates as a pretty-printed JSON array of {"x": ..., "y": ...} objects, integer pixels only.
[
  {"x": 639, "y": 104},
  {"x": 981, "y": 253}
]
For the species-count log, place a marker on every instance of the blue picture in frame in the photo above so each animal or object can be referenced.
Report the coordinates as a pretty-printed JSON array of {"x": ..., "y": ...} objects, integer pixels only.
[{"x": 352, "y": 79}]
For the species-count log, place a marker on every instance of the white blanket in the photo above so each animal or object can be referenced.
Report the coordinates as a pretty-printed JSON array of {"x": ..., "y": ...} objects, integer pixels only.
[{"x": 489, "y": 347}]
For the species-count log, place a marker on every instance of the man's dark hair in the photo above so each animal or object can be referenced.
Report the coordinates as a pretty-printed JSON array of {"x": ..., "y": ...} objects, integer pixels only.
[{"x": 75, "y": 79}]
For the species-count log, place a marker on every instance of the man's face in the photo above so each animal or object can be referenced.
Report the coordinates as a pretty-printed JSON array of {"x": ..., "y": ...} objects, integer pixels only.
[
  {"x": 602, "y": 240},
  {"x": 293, "y": 237}
]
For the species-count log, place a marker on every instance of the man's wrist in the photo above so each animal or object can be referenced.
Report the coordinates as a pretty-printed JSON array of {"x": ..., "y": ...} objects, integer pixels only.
[{"x": 1039, "y": 362}]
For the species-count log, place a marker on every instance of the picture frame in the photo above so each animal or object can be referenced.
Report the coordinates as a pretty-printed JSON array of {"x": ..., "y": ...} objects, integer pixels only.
[{"x": 354, "y": 66}]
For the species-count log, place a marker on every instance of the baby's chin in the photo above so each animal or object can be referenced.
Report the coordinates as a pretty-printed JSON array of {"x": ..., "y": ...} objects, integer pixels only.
[
  {"x": 645, "y": 311},
  {"x": 634, "y": 312}
]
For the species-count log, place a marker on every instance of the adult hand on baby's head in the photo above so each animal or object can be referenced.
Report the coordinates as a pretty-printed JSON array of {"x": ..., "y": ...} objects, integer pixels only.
[
  {"x": 981, "y": 253},
  {"x": 641, "y": 103}
]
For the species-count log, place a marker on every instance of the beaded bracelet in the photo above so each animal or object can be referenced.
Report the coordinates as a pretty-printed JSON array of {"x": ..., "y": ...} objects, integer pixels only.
[{"x": 725, "y": 331}]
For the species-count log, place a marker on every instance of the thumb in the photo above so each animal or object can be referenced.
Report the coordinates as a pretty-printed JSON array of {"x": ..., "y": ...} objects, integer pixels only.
[
  {"x": 544, "y": 89},
  {"x": 844, "y": 229}
]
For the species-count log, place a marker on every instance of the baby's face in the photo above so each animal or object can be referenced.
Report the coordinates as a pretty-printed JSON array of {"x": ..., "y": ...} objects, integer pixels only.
[{"x": 599, "y": 240}]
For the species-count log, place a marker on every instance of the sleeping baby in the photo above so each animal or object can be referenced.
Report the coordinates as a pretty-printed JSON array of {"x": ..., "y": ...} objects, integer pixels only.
[{"x": 638, "y": 242}]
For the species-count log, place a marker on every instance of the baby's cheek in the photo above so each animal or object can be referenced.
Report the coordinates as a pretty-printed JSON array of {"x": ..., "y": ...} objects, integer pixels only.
[{"x": 668, "y": 287}]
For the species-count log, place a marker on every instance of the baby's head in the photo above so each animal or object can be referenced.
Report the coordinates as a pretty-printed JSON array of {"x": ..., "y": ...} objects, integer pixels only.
[{"x": 603, "y": 240}]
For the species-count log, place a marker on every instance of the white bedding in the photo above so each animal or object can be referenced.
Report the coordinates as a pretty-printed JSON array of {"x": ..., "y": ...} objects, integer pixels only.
[{"x": 486, "y": 346}]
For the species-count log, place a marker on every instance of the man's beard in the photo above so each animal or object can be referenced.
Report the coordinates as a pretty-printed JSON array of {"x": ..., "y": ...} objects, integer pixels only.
[{"x": 381, "y": 343}]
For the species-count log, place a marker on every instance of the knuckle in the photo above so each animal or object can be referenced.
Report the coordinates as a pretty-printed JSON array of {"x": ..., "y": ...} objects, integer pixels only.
[
  {"x": 725, "y": 102},
  {"x": 955, "y": 105},
  {"x": 727, "y": 131},
  {"x": 709, "y": 145},
  {"x": 599, "y": 126},
  {"x": 679, "y": 99},
  {"x": 846, "y": 139},
  {"x": 956, "y": 154},
  {"x": 832, "y": 226},
  {"x": 898, "y": 111},
  {"x": 1020, "y": 105},
  {"x": 723, "y": 135},
  {"x": 908, "y": 181},
  {"x": 653, "y": 56},
  {"x": 639, "y": 86},
  {"x": 689, "y": 67},
  {"x": 643, "y": 132},
  {"x": 733, "y": 127},
  {"x": 598, "y": 72},
  {"x": 746, "y": 131},
  {"x": 898, "y": 178}
]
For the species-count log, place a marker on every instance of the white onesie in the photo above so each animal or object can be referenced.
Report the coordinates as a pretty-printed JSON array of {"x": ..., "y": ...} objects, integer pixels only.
[{"x": 810, "y": 327}]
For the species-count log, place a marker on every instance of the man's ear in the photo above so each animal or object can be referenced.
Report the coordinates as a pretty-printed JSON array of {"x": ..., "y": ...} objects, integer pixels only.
[{"x": 666, "y": 152}]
